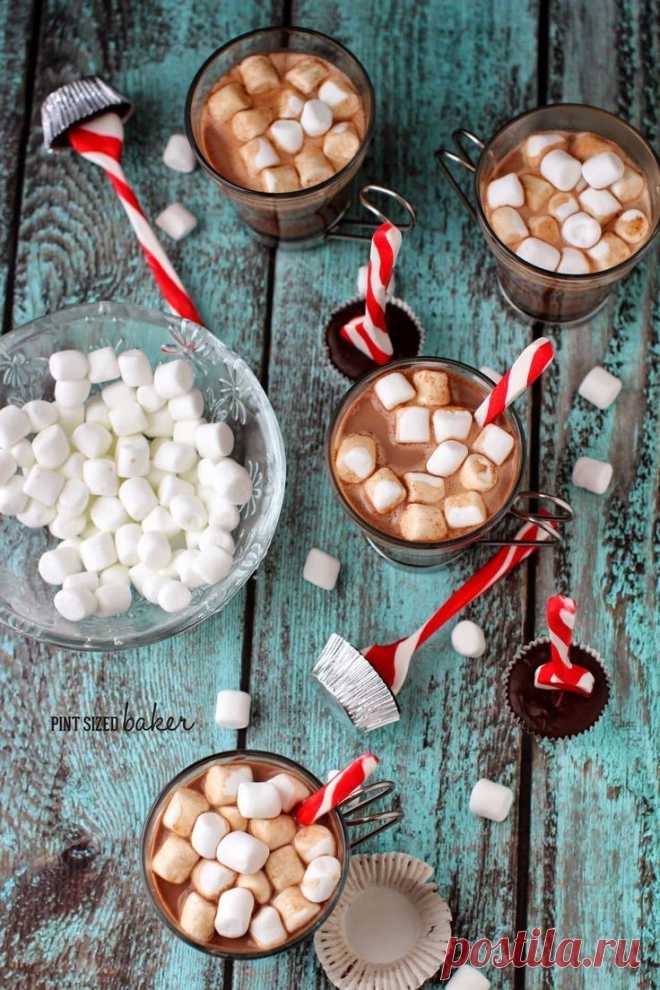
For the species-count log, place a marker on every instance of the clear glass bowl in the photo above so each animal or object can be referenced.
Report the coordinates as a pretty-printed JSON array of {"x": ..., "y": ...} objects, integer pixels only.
[{"x": 231, "y": 393}]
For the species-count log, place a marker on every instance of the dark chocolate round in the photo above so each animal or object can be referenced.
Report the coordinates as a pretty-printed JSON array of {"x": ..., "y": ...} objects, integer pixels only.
[
  {"x": 555, "y": 714},
  {"x": 402, "y": 328}
]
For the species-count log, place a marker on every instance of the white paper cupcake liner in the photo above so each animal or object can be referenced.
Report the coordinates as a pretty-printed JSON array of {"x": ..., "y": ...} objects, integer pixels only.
[{"x": 390, "y": 929}]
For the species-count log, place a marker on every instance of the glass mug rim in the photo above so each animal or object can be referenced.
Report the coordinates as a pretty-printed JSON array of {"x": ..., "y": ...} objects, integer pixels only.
[
  {"x": 260, "y": 195},
  {"x": 195, "y": 769},
  {"x": 510, "y": 255},
  {"x": 378, "y": 535}
]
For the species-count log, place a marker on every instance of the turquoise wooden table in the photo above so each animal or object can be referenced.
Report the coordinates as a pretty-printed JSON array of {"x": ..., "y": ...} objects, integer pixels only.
[{"x": 578, "y": 853}]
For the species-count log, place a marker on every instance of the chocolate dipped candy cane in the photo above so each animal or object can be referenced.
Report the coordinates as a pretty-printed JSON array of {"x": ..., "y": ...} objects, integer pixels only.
[
  {"x": 369, "y": 332},
  {"x": 337, "y": 790},
  {"x": 559, "y": 674},
  {"x": 524, "y": 371}
]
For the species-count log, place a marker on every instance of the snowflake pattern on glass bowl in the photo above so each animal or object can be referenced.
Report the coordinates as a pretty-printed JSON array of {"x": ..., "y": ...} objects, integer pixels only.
[{"x": 231, "y": 393}]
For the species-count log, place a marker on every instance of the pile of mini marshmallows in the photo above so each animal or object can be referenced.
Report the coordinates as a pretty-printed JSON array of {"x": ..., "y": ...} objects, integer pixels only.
[{"x": 136, "y": 485}]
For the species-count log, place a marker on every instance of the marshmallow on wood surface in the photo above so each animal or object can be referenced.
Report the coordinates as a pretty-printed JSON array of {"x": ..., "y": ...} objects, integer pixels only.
[
  {"x": 259, "y": 74},
  {"x": 258, "y": 799},
  {"x": 42, "y": 485},
  {"x": 466, "y": 509},
  {"x": 561, "y": 169},
  {"x": 197, "y": 917},
  {"x": 51, "y": 447},
  {"x": 75, "y": 604},
  {"x": 600, "y": 387},
  {"x": 176, "y": 221},
  {"x": 468, "y": 639},
  {"x": 100, "y": 476},
  {"x": 451, "y": 423},
  {"x": 237, "y": 822},
  {"x": 41, "y": 414},
  {"x": 113, "y": 599},
  {"x": 537, "y": 191},
  {"x": 70, "y": 394},
  {"x": 221, "y": 783},
  {"x": 259, "y": 154},
  {"x": 603, "y": 169},
  {"x": 313, "y": 841},
  {"x": 632, "y": 226},
  {"x": 55, "y": 565},
  {"x": 491, "y": 800},
  {"x": 467, "y": 978},
  {"x": 68, "y": 365},
  {"x": 208, "y": 830},
  {"x": 287, "y": 135},
  {"x": 313, "y": 167},
  {"x": 294, "y": 909},
  {"x": 258, "y": 883},
  {"x": 284, "y": 868},
  {"x": 412, "y": 424},
  {"x": 249, "y": 124},
  {"x": 432, "y": 388},
  {"x": 384, "y": 491},
  {"x": 306, "y": 75},
  {"x": 494, "y": 443},
  {"x": 539, "y": 253},
  {"x": 609, "y": 251},
  {"x": 185, "y": 805},
  {"x": 174, "y": 860},
  {"x": 266, "y": 928},
  {"x": 508, "y": 225},
  {"x": 321, "y": 879},
  {"x": 538, "y": 145},
  {"x": 446, "y": 458},
  {"x": 573, "y": 262},
  {"x": 423, "y": 523},
  {"x": 209, "y": 878},
  {"x": 138, "y": 498},
  {"x": 292, "y": 791},
  {"x": 226, "y": 101},
  {"x": 629, "y": 187},
  {"x": 341, "y": 144},
  {"x": 424, "y": 488},
  {"x": 232, "y": 709},
  {"x": 242, "y": 853},
  {"x": 321, "y": 569},
  {"x": 356, "y": 458},
  {"x": 600, "y": 204},
  {"x": 274, "y": 832},
  {"x": 232, "y": 482},
  {"x": 234, "y": 912},
  {"x": 507, "y": 190},
  {"x": 592, "y": 474},
  {"x": 178, "y": 154},
  {"x": 281, "y": 179}
]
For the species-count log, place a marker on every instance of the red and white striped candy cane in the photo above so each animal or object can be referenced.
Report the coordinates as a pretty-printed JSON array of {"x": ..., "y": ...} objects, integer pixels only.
[
  {"x": 369, "y": 332},
  {"x": 560, "y": 674},
  {"x": 337, "y": 790},
  {"x": 392, "y": 661},
  {"x": 523, "y": 372},
  {"x": 101, "y": 141}
]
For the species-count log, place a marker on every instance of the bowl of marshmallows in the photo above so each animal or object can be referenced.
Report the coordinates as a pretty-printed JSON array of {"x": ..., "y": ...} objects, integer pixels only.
[{"x": 142, "y": 474}]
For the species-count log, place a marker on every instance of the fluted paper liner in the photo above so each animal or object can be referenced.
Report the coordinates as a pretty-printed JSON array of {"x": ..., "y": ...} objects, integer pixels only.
[
  {"x": 355, "y": 686},
  {"x": 76, "y": 102},
  {"x": 409, "y": 878}
]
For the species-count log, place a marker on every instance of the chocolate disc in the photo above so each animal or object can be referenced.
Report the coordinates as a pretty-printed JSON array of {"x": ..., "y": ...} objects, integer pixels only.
[
  {"x": 404, "y": 333},
  {"x": 555, "y": 714}
]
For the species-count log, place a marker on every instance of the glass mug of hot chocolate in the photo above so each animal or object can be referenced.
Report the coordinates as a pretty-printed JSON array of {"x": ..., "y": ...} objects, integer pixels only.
[
  {"x": 415, "y": 472},
  {"x": 281, "y": 119},
  {"x": 248, "y": 882},
  {"x": 568, "y": 199}
]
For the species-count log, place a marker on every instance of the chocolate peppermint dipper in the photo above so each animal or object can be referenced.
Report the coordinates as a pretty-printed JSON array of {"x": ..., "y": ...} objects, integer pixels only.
[{"x": 404, "y": 330}]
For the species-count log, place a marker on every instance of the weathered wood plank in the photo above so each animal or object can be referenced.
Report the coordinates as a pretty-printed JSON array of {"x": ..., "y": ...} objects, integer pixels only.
[
  {"x": 427, "y": 63},
  {"x": 592, "y": 836}
]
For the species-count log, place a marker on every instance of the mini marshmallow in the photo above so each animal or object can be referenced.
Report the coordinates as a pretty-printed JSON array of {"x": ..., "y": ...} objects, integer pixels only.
[
  {"x": 232, "y": 482},
  {"x": 467, "y": 978},
  {"x": 259, "y": 154},
  {"x": 603, "y": 169},
  {"x": 222, "y": 782},
  {"x": 287, "y": 135},
  {"x": 274, "y": 832},
  {"x": 174, "y": 859},
  {"x": 132, "y": 456},
  {"x": 55, "y": 565},
  {"x": 208, "y": 830},
  {"x": 176, "y": 221},
  {"x": 508, "y": 225},
  {"x": 494, "y": 443},
  {"x": 412, "y": 424},
  {"x": 296, "y": 911},
  {"x": 249, "y": 124},
  {"x": 128, "y": 419},
  {"x": 160, "y": 425},
  {"x": 188, "y": 512},
  {"x": 393, "y": 390},
  {"x": 68, "y": 365},
  {"x": 117, "y": 395},
  {"x": 537, "y": 192},
  {"x": 451, "y": 423},
  {"x": 242, "y": 853},
  {"x": 34, "y": 515},
  {"x": 75, "y": 604},
  {"x": 70, "y": 417},
  {"x": 190, "y": 405},
  {"x": 154, "y": 551},
  {"x": 505, "y": 191},
  {"x": 424, "y": 488},
  {"x": 561, "y": 169},
  {"x": 197, "y": 917},
  {"x": 43, "y": 485},
  {"x": 113, "y": 599},
  {"x": 139, "y": 575},
  {"x": 321, "y": 879},
  {"x": 174, "y": 596},
  {"x": 183, "y": 809},
  {"x": 23, "y": 455},
  {"x": 538, "y": 145},
  {"x": 51, "y": 447},
  {"x": 174, "y": 457},
  {"x": 539, "y": 253},
  {"x": 266, "y": 928},
  {"x": 491, "y": 800},
  {"x": 562, "y": 206},
  {"x": 210, "y": 878},
  {"x": 284, "y": 868},
  {"x": 446, "y": 458},
  {"x": 321, "y": 569},
  {"x": 170, "y": 486},
  {"x": 291, "y": 790},
  {"x": 626, "y": 189},
  {"x": 115, "y": 574},
  {"x": 468, "y": 639},
  {"x": 344, "y": 102},
  {"x": 237, "y": 824},
  {"x": 138, "y": 498},
  {"x": 226, "y": 101},
  {"x": 73, "y": 466},
  {"x": 135, "y": 368},
  {"x": 600, "y": 387},
  {"x": 92, "y": 439},
  {"x": 258, "y": 800},
  {"x": 85, "y": 579},
  {"x": 478, "y": 474},
  {"x": 600, "y": 204},
  {"x": 214, "y": 440},
  {"x": 232, "y": 709},
  {"x": 432, "y": 387},
  {"x": 234, "y": 912},
  {"x": 422, "y": 523},
  {"x": 103, "y": 365},
  {"x": 384, "y": 490},
  {"x": 41, "y": 414},
  {"x": 100, "y": 476},
  {"x": 222, "y": 513},
  {"x": 158, "y": 520},
  {"x": 214, "y": 536},
  {"x": 178, "y": 154},
  {"x": 307, "y": 74},
  {"x": 96, "y": 411},
  {"x": 13, "y": 498},
  {"x": 14, "y": 426},
  {"x": 466, "y": 509},
  {"x": 313, "y": 841},
  {"x": 316, "y": 118},
  {"x": 573, "y": 262},
  {"x": 152, "y": 585},
  {"x": 341, "y": 144},
  {"x": 609, "y": 251},
  {"x": 356, "y": 458},
  {"x": 185, "y": 566},
  {"x": 173, "y": 378},
  {"x": 149, "y": 398},
  {"x": 313, "y": 167},
  {"x": 289, "y": 105},
  {"x": 72, "y": 393},
  {"x": 280, "y": 180},
  {"x": 632, "y": 226},
  {"x": 592, "y": 474},
  {"x": 66, "y": 527},
  {"x": 98, "y": 552}
]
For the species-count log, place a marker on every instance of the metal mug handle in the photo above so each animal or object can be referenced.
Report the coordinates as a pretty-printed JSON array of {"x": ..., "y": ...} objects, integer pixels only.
[
  {"x": 368, "y": 795},
  {"x": 563, "y": 514},
  {"x": 341, "y": 230},
  {"x": 463, "y": 158}
]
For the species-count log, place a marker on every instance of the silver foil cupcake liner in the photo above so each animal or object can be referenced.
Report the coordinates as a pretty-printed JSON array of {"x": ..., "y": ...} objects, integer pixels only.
[
  {"x": 355, "y": 688},
  {"x": 76, "y": 102}
]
